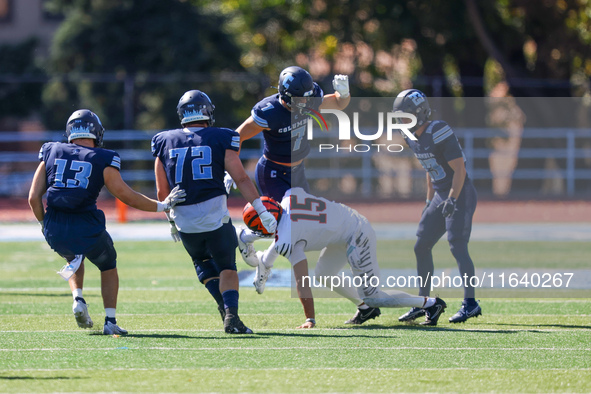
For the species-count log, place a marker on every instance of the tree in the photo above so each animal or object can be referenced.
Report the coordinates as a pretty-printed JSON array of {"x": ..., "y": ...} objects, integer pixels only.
[{"x": 132, "y": 39}]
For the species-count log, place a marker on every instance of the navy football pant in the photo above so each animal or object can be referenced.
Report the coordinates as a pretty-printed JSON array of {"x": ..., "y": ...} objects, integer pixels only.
[
  {"x": 274, "y": 179},
  {"x": 212, "y": 251},
  {"x": 459, "y": 226},
  {"x": 84, "y": 233}
]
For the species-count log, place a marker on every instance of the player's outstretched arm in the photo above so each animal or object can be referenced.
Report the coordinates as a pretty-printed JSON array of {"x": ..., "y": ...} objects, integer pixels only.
[
  {"x": 127, "y": 195},
  {"x": 248, "y": 129},
  {"x": 341, "y": 98},
  {"x": 302, "y": 277},
  {"x": 38, "y": 189}
]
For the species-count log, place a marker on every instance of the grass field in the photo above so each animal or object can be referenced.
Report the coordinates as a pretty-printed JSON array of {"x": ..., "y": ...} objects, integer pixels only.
[{"x": 176, "y": 342}]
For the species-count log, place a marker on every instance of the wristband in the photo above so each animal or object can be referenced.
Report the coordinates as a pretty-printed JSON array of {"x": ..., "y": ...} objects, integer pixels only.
[
  {"x": 258, "y": 206},
  {"x": 161, "y": 206},
  {"x": 311, "y": 320}
]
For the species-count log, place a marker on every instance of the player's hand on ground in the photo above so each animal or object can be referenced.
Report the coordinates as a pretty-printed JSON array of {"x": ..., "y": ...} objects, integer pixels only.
[
  {"x": 340, "y": 83},
  {"x": 448, "y": 207},
  {"x": 174, "y": 232},
  {"x": 308, "y": 324},
  {"x": 268, "y": 221},
  {"x": 229, "y": 182},
  {"x": 176, "y": 196}
]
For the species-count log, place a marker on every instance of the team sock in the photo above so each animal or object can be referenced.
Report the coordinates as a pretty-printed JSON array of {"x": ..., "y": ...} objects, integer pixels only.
[
  {"x": 77, "y": 293},
  {"x": 470, "y": 301},
  {"x": 429, "y": 302},
  {"x": 231, "y": 301},
  {"x": 110, "y": 313},
  {"x": 213, "y": 286}
]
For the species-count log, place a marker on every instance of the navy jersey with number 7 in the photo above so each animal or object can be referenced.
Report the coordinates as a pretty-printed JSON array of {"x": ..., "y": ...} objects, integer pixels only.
[{"x": 194, "y": 157}]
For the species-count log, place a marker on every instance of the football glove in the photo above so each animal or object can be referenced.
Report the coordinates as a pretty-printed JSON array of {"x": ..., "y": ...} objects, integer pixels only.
[
  {"x": 229, "y": 182},
  {"x": 174, "y": 232},
  {"x": 448, "y": 207},
  {"x": 340, "y": 83},
  {"x": 268, "y": 221},
  {"x": 176, "y": 196}
]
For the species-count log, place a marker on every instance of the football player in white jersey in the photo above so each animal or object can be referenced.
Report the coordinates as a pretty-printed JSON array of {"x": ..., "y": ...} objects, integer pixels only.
[{"x": 310, "y": 223}]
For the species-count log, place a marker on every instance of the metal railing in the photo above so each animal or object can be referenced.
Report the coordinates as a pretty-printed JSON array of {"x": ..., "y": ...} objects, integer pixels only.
[{"x": 571, "y": 148}]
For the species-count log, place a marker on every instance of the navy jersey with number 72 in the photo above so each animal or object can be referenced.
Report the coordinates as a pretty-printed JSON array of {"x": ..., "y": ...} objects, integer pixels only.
[{"x": 194, "y": 157}]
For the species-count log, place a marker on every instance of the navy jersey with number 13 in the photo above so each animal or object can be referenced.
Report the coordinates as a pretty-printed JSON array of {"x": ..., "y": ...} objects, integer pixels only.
[{"x": 194, "y": 157}]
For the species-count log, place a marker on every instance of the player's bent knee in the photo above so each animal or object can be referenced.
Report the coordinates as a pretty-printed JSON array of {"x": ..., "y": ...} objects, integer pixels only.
[{"x": 206, "y": 270}]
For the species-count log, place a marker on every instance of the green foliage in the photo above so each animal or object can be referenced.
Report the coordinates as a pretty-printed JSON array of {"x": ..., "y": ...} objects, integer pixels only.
[{"x": 132, "y": 38}]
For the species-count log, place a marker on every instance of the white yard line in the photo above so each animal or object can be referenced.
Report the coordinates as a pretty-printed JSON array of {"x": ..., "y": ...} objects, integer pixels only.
[{"x": 339, "y": 348}]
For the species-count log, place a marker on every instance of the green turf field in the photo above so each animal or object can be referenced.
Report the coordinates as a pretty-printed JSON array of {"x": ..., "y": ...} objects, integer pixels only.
[{"x": 176, "y": 342}]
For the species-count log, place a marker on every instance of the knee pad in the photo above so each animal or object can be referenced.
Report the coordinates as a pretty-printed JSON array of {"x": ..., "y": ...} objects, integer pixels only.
[{"x": 206, "y": 269}]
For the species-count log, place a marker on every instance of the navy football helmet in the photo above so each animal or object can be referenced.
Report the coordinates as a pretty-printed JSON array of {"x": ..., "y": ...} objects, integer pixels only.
[
  {"x": 413, "y": 101},
  {"x": 195, "y": 106},
  {"x": 295, "y": 82},
  {"x": 84, "y": 123}
]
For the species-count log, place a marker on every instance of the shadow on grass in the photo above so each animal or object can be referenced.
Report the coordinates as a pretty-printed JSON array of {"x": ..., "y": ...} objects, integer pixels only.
[
  {"x": 38, "y": 294},
  {"x": 545, "y": 325},
  {"x": 41, "y": 377}
]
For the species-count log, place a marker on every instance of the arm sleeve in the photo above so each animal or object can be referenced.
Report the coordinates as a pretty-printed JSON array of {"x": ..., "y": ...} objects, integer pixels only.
[
  {"x": 233, "y": 142},
  {"x": 446, "y": 142},
  {"x": 115, "y": 161},
  {"x": 156, "y": 145},
  {"x": 259, "y": 117}
]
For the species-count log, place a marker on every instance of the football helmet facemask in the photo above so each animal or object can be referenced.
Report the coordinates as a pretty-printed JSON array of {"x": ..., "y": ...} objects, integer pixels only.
[
  {"x": 84, "y": 123},
  {"x": 413, "y": 101},
  {"x": 195, "y": 106}
]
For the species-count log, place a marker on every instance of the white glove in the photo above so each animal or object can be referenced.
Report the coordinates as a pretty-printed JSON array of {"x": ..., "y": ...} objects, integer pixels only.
[
  {"x": 229, "y": 182},
  {"x": 176, "y": 196},
  {"x": 268, "y": 221},
  {"x": 174, "y": 232},
  {"x": 340, "y": 83}
]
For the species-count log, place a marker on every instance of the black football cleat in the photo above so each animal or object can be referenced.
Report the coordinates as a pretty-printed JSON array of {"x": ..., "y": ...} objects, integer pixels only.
[
  {"x": 465, "y": 313},
  {"x": 222, "y": 312},
  {"x": 412, "y": 314},
  {"x": 363, "y": 315},
  {"x": 233, "y": 325},
  {"x": 434, "y": 312}
]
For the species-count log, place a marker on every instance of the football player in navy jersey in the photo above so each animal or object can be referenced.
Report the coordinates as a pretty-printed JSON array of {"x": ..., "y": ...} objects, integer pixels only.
[
  {"x": 451, "y": 200},
  {"x": 196, "y": 157},
  {"x": 73, "y": 174},
  {"x": 285, "y": 144}
]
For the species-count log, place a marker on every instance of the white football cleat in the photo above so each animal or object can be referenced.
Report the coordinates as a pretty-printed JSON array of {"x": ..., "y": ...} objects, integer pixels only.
[
  {"x": 70, "y": 269},
  {"x": 261, "y": 275},
  {"x": 113, "y": 329},
  {"x": 81, "y": 313},
  {"x": 246, "y": 250}
]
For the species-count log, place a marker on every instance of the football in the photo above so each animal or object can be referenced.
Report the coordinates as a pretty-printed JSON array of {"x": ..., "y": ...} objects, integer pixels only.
[{"x": 252, "y": 220}]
